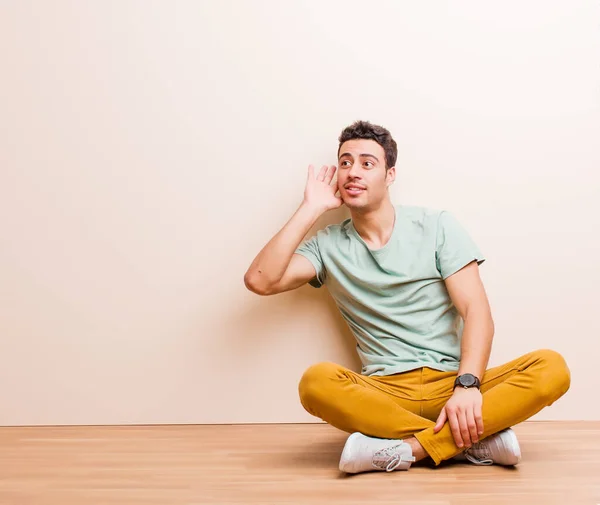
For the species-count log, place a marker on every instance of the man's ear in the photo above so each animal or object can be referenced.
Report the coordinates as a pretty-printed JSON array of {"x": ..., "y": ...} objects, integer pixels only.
[{"x": 390, "y": 176}]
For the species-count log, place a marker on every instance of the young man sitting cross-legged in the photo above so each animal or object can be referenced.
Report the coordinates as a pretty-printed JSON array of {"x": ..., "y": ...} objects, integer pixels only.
[{"x": 406, "y": 280}]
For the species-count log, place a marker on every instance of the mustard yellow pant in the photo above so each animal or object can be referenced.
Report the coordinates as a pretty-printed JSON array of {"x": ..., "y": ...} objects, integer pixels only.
[{"x": 398, "y": 406}]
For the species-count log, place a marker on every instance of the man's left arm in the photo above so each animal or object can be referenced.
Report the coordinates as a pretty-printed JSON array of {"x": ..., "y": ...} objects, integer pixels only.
[{"x": 463, "y": 410}]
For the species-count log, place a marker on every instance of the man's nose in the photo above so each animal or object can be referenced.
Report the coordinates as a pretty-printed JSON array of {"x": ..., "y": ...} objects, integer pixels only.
[{"x": 354, "y": 171}]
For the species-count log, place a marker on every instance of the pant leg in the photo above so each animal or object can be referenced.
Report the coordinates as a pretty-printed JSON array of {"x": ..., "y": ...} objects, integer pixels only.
[
  {"x": 371, "y": 405},
  {"x": 512, "y": 393}
]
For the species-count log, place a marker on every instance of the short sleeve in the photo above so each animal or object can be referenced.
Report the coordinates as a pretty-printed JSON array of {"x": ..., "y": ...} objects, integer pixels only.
[
  {"x": 310, "y": 250},
  {"x": 454, "y": 247}
]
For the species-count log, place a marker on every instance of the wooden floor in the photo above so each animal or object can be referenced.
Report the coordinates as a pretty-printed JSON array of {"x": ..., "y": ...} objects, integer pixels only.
[{"x": 287, "y": 464}]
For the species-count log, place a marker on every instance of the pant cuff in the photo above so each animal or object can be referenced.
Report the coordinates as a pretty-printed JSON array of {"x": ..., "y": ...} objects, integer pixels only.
[{"x": 429, "y": 447}]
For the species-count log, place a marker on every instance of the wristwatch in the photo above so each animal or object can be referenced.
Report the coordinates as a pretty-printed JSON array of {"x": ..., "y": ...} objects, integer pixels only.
[{"x": 467, "y": 380}]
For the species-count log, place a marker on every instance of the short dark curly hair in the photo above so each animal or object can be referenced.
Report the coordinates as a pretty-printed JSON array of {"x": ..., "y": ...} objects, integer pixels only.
[{"x": 367, "y": 130}]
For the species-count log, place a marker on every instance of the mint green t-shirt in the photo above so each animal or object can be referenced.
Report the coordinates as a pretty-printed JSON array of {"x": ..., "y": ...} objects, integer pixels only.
[{"x": 394, "y": 299}]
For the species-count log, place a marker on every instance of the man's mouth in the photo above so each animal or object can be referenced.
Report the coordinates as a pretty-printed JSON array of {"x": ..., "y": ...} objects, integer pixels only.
[{"x": 354, "y": 189}]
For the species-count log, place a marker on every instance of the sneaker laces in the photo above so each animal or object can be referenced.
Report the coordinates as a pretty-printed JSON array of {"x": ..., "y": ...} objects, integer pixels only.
[
  {"x": 479, "y": 454},
  {"x": 390, "y": 458}
]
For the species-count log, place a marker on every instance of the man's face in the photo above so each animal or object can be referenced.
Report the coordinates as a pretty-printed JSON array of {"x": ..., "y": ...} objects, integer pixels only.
[{"x": 362, "y": 177}]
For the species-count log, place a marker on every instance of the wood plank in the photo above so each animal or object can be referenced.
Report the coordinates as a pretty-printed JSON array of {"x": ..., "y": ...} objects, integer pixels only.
[{"x": 264, "y": 464}]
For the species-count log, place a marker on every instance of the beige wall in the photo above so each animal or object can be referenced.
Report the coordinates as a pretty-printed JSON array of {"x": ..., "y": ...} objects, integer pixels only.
[{"x": 149, "y": 149}]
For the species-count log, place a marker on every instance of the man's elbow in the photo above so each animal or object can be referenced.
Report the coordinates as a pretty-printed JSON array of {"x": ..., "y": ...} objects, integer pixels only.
[
  {"x": 257, "y": 285},
  {"x": 481, "y": 313}
]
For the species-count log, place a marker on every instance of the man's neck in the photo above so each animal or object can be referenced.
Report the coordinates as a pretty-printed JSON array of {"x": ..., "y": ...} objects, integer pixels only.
[{"x": 375, "y": 226}]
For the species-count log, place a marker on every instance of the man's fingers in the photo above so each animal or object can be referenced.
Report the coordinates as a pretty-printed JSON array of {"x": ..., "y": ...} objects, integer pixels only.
[
  {"x": 472, "y": 426},
  {"x": 479, "y": 420},
  {"x": 464, "y": 428},
  {"x": 330, "y": 174},
  {"x": 455, "y": 429},
  {"x": 311, "y": 172},
  {"x": 322, "y": 173},
  {"x": 441, "y": 420}
]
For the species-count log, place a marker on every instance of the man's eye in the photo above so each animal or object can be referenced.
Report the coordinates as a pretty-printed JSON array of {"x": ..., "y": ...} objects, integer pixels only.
[{"x": 369, "y": 164}]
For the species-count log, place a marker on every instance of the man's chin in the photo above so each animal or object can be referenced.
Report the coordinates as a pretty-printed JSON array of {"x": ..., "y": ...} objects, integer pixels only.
[{"x": 355, "y": 203}]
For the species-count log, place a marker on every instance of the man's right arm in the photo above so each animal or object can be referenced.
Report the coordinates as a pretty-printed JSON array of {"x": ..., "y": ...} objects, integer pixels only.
[{"x": 276, "y": 268}]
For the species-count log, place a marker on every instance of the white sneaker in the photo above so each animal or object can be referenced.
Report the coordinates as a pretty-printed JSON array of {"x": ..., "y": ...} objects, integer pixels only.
[
  {"x": 364, "y": 454},
  {"x": 500, "y": 449}
]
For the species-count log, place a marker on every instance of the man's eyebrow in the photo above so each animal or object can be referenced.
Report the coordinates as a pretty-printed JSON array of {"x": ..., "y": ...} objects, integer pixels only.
[{"x": 364, "y": 155}]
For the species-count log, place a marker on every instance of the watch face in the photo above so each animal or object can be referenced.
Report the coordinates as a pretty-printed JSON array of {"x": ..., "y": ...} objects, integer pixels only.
[{"x": 467, "y": 380}]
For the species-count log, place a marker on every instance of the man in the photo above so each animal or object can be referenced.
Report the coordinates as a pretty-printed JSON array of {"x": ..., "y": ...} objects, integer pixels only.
[{"x": 406, "y": 280}]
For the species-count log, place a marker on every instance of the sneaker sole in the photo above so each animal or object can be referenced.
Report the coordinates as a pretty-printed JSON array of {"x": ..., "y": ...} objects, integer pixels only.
[{"x": 346, "y": 457}]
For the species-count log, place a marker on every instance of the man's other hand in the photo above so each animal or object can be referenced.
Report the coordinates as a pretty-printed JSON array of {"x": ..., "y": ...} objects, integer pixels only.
[
  {"x": 320, "y": 193},
  {"x": 463, "y": 413}
]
